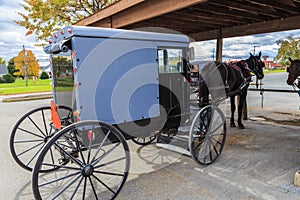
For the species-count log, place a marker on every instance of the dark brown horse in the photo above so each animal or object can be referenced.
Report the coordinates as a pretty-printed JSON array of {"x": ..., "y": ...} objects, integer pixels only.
[
  {"x": 294, "y": 73},
  {"x": 223, "y": 80}
]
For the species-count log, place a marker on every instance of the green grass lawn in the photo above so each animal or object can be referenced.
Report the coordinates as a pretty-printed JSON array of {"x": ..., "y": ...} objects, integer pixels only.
[
  {"x": 19, "y": 86},
  {"x": 270, "y": 71}
]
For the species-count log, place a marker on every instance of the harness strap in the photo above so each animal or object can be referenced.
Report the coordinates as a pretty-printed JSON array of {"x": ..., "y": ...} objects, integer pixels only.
[{"x": 239, "y": 66}]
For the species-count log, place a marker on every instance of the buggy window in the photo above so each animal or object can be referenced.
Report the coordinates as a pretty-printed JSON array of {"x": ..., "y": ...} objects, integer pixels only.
[
  {"x": 63, "y": 78},
  {"x": 170, "y": 60}
]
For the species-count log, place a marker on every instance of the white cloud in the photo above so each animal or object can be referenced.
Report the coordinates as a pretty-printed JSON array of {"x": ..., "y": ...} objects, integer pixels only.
[
  {"x": 12, "y": 36},
  {"x": 239, "y": 47}
]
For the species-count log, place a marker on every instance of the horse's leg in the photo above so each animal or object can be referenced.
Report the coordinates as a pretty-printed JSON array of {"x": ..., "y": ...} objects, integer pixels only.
[
  {"x": 203, "y": 93},
  {"x": 232, "y": 103},
  {"x": 240, "y": 109}
]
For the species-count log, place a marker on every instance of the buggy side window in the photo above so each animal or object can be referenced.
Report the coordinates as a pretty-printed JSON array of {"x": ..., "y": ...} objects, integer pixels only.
[{"x": 170, "y": 60}]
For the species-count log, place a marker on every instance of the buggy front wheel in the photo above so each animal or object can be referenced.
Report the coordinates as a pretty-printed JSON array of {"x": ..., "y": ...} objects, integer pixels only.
[
  {"x": 207, "y": 135},
  {"x": 95, "y": 163}
]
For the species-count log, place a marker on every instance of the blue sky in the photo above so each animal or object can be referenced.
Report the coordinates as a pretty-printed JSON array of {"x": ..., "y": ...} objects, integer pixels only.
[{"x": 12, "y": 37}]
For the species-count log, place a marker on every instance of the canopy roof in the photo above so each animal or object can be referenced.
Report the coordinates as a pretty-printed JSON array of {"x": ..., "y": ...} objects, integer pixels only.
[{"x": 201, "y": 19}]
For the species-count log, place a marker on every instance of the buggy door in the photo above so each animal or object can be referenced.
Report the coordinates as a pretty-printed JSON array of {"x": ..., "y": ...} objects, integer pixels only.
[{"x": 173, "y": 93}]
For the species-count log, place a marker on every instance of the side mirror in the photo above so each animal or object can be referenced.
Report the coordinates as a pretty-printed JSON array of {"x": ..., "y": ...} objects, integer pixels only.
[{"x": 191, "y": 53}]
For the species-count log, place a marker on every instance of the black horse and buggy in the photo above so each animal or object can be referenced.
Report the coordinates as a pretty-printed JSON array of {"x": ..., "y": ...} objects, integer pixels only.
[{"x": 110, "y": 86}]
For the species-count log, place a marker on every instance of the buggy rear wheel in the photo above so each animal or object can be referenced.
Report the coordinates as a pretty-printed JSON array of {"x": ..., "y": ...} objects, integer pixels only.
[
  {"x": 207, "y": 135},
  {"x": 96, "y": 163},
  {"x": 31, "y": 133},
  {"x": 144, "y": 140}
]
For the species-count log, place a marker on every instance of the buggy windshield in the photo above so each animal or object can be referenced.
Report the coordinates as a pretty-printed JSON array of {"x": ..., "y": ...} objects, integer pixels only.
[{"x": 63, "y": 78}]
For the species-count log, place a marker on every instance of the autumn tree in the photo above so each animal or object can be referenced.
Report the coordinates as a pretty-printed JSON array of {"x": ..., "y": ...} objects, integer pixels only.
[
  {"x": 289, "y": 47},
  {"x": 43, "y": 17},
  {"x": 2, "y": 61},
  {"x": 31, "y": 64}
]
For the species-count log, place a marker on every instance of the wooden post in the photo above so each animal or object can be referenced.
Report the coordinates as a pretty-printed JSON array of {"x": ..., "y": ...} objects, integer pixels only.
[{"x": 219, "y": 49}]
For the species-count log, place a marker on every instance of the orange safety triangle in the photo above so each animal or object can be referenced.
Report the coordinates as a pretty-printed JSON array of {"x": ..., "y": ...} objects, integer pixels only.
[{"x": 54, "y": 116}]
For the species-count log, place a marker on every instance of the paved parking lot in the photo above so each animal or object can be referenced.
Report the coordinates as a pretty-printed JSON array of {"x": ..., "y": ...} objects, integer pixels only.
[{"x": 257, "y": 163}]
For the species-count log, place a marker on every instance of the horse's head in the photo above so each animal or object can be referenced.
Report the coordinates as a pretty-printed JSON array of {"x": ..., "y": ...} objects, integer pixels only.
[
  {"x": 294, "y": 71},
  {"x": 256, "y": 65}
]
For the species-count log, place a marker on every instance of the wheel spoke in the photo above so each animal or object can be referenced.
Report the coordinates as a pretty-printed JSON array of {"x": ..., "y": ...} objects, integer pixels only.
[
  {"x": 51, "y": 154},
  {"x": 199, "y": 144},
  {"x": 216, "y": 150},
  {"x": 78, "y": 185},
  {"x": 60, "y": 166},
  {"x": 90, "y": 143},
  {"x": 109, "y": 173},
  {"x": 44, "y": 120},
  {"x": 78, "y": 147},
  {"x": 205, "y": 154},
  {"x": 28, "y": 141},
  {"x": 91, "y": 182},
  {"x": 215, "y": 129},
  {"x": 217, "y": 141},
  {"x": 108, "y": 163},
  {"x": 31, "y": 133},
  {"x": 66, "y": 187},
  {"x": 104, "y": 184},
  {"x": 35, "y": 146},
  {"x": 59, "y": 179},
  {"x": 69, "y": 155},
  {"x": 211, "y": 119},
  {"x": 37, "y": 152},
  {"x": 210, "y": 153},
  {"x": 84, "y": 188},
  {"x": 100, "y": 146},
  {"x": 104, "y": 155},
  {"x": 36, "y": 126}
]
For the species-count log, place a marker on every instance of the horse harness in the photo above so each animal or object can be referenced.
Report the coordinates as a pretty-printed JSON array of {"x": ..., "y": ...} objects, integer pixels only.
[{"x": 244, "y": 70}]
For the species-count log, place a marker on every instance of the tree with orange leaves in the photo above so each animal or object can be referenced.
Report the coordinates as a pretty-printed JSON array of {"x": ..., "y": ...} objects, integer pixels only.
[{"x": 31, "y": 64}]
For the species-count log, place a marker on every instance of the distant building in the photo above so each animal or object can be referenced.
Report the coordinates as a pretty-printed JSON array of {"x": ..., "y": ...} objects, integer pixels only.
[
  {"x": 3, "y": 70},
  {"x": 45, "y": 69},
  {"x": 270, "y": 64}
]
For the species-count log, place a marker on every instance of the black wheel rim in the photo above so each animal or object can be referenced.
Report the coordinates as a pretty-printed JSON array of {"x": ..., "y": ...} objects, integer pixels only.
[
  {"x": 31, "y": 133},
  {"x": 207, "y": 135},
  {"x": 96, "y": 168},
  {"x": 145, "y": 140}
]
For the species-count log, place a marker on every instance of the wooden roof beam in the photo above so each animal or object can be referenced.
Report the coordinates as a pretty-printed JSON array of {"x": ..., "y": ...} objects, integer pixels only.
[
  {"x": 283, "y": 24},
  {"x": 108, "y": 11},
  {"x": 125, "y": 12},
  {"x": 251, "y": 8},
  {"x": 149, "y": 9},
  {"x": 284, "y": 5},
  {"x": 223, "y": 10},
  {"x": 196, "y": 16},
  {"x": 200, "y": 19}
]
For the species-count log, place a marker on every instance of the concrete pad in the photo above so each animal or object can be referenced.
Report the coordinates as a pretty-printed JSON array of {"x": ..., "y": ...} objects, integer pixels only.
[{"x": 258, "y": 162}]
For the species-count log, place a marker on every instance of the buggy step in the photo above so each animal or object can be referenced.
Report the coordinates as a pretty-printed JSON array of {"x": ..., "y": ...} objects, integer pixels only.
[{"x": 174, "y": 148}]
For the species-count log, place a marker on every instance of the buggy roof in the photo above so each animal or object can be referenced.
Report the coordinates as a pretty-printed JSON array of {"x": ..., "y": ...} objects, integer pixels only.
[{"x": 85, "y": 31}]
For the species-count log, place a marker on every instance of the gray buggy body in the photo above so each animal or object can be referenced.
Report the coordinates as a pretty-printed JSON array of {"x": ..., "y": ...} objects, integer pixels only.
[{"x": 120, "y": 76}]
